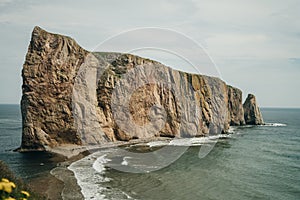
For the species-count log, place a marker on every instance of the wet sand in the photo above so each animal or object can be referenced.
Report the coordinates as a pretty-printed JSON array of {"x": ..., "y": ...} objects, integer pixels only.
[{"x": 60, "y": 182}]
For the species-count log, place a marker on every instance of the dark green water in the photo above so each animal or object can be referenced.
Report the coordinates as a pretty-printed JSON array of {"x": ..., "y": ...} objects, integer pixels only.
[
  {"x": 259, "y": 162},
  {"x": 255, "y": 162},
  {"x": 26, "y": 165}
]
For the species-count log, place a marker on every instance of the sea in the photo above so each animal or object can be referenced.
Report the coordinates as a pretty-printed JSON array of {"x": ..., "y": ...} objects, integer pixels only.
[{"x": 252, "y": 162}]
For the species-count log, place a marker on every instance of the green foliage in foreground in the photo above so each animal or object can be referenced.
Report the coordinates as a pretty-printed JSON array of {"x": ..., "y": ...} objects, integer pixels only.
[{"x": 12, "y": 187}]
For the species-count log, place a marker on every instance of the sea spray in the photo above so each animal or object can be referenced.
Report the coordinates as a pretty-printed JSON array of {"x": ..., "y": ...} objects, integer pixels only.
[{"x": 90, "y": 175}]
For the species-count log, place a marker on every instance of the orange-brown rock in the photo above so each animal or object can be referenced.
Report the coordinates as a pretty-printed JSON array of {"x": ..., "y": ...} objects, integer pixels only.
[
  {"x": 68, "y": 97},
  {"x": 252, "y": 112}
]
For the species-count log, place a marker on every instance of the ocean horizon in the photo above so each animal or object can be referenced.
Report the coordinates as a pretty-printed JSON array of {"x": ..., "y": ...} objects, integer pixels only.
[
  {"x": 252, "y": 162},
  {"x": 171, "y": 100}
]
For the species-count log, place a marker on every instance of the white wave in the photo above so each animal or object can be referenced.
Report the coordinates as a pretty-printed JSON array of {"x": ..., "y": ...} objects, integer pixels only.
[
  {"x": 99, "y": 164},
  {"x": 89, "y": 172},
  {"x": 274, "y": 124},
  {"x": 232, "y": 129},
  {"x": 189, "y": 141},
  {"x": 125, "y": 162},
  {"x": 157, "y": 143},
  {"x": 196, "y": 141}
]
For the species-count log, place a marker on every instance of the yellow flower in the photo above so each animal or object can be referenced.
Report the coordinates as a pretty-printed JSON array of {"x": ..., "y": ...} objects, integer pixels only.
[
  {"x": 7, "y": 186},
  {"x": 12, "y": 184},
  {"x": 25, "y": 193},
  {"x": 10, "y": 198},
  {"x": 5, "y": 180}
]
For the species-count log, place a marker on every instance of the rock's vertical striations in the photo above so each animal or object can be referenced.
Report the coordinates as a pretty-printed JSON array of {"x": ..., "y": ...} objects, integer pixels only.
[
  {"x": 252, "y": 112},
  {"x": 235, "y": 106},
  {"x": 66, "y": 102},
  {"x": 51, "y": 64}
]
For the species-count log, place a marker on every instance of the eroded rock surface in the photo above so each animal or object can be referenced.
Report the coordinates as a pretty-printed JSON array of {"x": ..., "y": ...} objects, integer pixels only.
[
  {"x": 52, "y": 62},
  {"x": 252, "y": 112},
  {"x": 235, "y": 106},
  {"x": 72, "y": 96}
]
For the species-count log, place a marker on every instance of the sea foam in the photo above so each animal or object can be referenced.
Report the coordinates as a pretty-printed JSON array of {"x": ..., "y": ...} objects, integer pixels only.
[
  {"x": 89, "y": 173},
  {"x": 274, "y": 124},
  {"x": 196, "y": 141}
]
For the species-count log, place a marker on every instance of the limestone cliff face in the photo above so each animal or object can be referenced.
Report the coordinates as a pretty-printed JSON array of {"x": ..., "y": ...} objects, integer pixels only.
[
  {"x": 252, "y": 112},
  {"x": 181, "y": 116},
  {"x": 235, "y": 106},
  {"x": 74, "y": 96},
  {"x": 52, "y": 61}
]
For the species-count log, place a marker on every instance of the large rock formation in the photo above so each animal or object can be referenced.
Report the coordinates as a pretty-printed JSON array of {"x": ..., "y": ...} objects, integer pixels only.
[
  {"x": 72, "y": 96},
  {"x": 52, "y": 62},
  {"x": 252, "y": 112},
  {"x": 235, "y": 106}
]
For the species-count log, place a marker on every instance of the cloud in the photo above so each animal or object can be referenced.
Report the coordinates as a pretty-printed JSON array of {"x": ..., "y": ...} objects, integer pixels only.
[
  {"x": 241, "y": 36},
  {"x": 5, "y": 2},
  {"x": 295, "y": 61}
]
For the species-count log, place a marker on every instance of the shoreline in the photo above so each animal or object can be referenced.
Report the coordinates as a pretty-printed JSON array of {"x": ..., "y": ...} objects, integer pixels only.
[
  {"x": 60, "y": 182},
  {"x": 70, "y": 151}
]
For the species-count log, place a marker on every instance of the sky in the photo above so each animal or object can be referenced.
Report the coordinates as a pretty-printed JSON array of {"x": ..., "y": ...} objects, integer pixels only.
[{"x": 255, "y": 44}]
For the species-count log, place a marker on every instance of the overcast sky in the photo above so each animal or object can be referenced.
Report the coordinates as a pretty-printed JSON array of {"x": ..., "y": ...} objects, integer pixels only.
[{"x": 255, "y": 44}]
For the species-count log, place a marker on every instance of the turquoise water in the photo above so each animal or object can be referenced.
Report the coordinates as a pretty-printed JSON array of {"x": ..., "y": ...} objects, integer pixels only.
[{"x": 255, "y": 162}]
